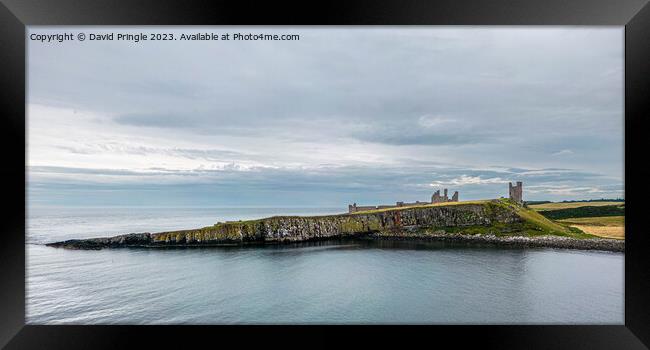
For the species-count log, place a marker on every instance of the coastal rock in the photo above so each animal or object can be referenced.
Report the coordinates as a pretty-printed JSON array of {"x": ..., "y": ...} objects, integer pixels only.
[
  {"x": 612, "y": 245},
  {"x": 131, "y": 239}
]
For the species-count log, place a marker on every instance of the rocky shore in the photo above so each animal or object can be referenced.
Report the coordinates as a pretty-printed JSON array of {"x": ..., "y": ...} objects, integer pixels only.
[{"x": 611, "y": 245}]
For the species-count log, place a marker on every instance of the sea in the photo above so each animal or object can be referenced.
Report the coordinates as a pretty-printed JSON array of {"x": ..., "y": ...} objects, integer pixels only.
[{"x": 327, "y": 282}]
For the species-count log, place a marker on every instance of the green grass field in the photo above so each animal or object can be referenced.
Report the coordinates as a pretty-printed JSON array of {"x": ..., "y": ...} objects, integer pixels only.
[
  {"x": 610, "y": 221},
  {"x": 560, "y": 211},
  {"x": 572, "y": 205}
]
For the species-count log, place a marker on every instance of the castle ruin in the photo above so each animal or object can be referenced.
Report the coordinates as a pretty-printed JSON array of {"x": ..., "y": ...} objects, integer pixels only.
[
  {"x": 436, "y": 198},
  {"x": 516, "y": 193}
]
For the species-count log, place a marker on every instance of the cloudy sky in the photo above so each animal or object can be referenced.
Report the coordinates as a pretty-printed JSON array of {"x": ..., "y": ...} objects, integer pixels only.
[{"x": 366, "y": 114}]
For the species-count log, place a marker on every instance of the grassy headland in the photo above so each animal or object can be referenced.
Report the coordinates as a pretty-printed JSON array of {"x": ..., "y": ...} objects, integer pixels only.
[{"x": 493, "y": 221}]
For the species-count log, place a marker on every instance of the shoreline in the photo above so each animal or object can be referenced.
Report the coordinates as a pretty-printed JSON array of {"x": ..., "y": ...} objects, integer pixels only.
[
  {"x": 602, "y": 244},
  {"x": 558, "y": 242}
]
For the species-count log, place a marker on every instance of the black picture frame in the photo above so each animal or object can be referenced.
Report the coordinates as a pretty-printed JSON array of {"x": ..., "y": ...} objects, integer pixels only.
[{"x": 15, "y": 15}]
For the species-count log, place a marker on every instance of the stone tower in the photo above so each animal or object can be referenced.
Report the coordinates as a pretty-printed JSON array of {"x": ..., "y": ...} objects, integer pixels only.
[
  {"x": 436, "y": 197},
  {"x": 516, "y": 192}
]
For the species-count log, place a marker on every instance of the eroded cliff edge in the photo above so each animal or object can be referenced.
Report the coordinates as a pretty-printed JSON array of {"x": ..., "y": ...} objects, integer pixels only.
[{"x": 490, "y": 221}]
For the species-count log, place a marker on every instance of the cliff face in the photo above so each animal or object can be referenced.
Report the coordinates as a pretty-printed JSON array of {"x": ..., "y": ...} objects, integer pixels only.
[{"x": 293, "y": 228}]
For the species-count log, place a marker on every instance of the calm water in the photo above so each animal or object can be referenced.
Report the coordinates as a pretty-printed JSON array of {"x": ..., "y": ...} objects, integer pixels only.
[{"x": 333, "y": 282}]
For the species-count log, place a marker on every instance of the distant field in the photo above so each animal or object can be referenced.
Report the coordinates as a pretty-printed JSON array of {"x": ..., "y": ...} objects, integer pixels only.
[
  {"x": 559, "y": 211},
  {"x": 604, "y": 219},
  {"x": 596, "y": 221},
  {"x": 603, "y": 226},
  {"x": 571, "y": 205}
]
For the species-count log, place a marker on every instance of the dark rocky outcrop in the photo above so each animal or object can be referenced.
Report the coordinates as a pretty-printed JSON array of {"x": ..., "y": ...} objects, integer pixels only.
[
  {"x": 131, "y": 239},
  {"x": 612, "y": 245}
]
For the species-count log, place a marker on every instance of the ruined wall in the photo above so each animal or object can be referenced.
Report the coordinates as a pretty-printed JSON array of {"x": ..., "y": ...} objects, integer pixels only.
[
  {"x": 407, "y": 204},
  {"x": 437, "y": 198},
  {"x": 353, "y": 208}
]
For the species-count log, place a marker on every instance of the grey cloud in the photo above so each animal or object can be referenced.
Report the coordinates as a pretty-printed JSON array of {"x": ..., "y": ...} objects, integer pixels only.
[
  {"x": 156, "y": 120},
  {"x": 209, "y": 154},
  {"x": 417, "y": 138},
  {"x": 511, "y": 97},
  {"x": 170, "y": 88}
]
